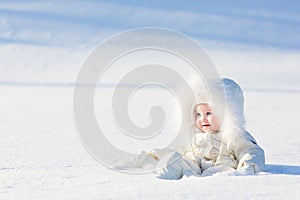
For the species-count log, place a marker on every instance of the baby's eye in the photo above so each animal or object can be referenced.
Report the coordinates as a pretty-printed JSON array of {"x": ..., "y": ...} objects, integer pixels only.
[
  {"x": 209, "y": 113},
  {"x": 198, "y": 114}
]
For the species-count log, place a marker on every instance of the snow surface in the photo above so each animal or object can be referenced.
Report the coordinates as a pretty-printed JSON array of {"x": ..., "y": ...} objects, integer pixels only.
[{"x": 41, "y": 155}]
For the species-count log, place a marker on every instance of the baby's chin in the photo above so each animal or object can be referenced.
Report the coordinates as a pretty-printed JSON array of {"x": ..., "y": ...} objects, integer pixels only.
[{"x": 207, "y": 129}]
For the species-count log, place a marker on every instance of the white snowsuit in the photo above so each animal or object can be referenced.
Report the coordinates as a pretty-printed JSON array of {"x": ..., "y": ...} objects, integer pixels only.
[
  {"x": 237, "y": 151},
  {"x": 230, "y": 148}
]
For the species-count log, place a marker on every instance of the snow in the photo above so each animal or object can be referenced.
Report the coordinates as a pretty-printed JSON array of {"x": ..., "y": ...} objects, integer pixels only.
[{"x": 42, "y": 157}]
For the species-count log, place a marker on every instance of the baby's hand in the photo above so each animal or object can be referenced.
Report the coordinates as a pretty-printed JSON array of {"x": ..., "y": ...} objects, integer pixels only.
[
  {"x": 150, "y": 158},
  {"x": 247, "y": 170},
  {"x": 145, "y": 159}
]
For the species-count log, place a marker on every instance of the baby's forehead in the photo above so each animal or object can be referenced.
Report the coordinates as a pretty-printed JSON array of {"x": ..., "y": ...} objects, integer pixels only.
[{"x": 203, "y": 106}]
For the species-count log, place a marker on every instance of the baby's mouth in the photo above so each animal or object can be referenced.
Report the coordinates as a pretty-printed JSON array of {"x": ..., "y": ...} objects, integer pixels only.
[{"x": 206, "y": 125}]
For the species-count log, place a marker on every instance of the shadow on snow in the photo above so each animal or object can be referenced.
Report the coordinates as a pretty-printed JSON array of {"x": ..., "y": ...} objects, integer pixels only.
[{"x": 283, "y": 169}]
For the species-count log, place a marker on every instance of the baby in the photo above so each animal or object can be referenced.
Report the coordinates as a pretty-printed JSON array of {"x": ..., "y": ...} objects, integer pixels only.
[{"x": 216, "y": 146}]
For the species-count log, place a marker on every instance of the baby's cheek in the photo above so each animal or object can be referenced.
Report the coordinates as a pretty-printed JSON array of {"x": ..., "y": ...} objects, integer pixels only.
[{"x": 198, "y": 124}]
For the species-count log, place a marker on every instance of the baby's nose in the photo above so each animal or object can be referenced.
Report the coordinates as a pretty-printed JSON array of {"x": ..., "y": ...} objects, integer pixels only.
[{"x": 204, "y": 119}]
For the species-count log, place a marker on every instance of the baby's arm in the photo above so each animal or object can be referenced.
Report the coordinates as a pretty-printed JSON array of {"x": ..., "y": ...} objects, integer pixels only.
[{"x": 249, "y": 155}]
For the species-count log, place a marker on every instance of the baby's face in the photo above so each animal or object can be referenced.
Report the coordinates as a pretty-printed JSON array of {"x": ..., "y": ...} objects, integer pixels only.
[{"x": 205, "y": 119}]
